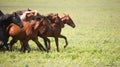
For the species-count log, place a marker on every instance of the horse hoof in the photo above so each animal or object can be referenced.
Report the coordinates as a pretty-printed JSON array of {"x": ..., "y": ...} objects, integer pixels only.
[
  {"x": 65, "y": 46},
  {"x": 8, "y": 49},
  {"x": 28, "y": 51}
]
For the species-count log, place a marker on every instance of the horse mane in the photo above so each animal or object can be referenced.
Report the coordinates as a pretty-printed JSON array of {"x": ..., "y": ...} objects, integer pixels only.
[{"x": 49, "y": 16}]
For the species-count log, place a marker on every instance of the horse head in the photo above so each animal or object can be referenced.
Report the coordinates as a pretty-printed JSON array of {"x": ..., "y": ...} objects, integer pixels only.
[
  {"x": 14, "y": 17},
  {"x": 54, "y": 18},
  {"x": 67, "y": 20}
]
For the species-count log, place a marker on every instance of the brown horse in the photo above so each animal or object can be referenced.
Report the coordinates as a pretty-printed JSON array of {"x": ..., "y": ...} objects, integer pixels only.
[
  {"x": 28, "y": 32},
  {"x": 54, "y": 18},
  {"x": 56, "y": 30}
]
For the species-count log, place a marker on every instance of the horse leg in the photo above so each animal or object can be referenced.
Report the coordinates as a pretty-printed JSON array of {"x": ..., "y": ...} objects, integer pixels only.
[
  {"x": 47, "y": 45},
  {"x": 12, "y": 43},
  {"x": 3, "y": 39},
  {"x": 27, "y": 47},
  {"x": 1, "y": 45},
  {"x": 56, "y": 41},
  {"x": 24, "y": 46},
  {"x": 6, "y": 45},
  {"x": 61, "y": 36},
  {"x": 45, "y": 42},
  {"x": 39, "y": 44},
  {"x": 7, "y": 37}
]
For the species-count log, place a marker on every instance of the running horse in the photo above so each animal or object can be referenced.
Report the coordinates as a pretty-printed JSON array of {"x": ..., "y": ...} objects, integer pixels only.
[
  {"x": 5, "y": 21},
  {"x": 56, "y": 29},
  {"x": 28, "y": 32}
]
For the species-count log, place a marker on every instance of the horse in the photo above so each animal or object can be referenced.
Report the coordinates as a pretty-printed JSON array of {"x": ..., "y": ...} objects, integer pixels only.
[
  {"x": 56, "y": 29},
  {"x": 28, "y": 32},
  {"x": 53, "y": 18},
  {"x": 5, "y": 21}
]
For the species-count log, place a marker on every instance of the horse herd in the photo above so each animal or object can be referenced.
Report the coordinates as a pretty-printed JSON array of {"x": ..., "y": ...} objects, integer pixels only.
[{"x": 25, "y": 25}]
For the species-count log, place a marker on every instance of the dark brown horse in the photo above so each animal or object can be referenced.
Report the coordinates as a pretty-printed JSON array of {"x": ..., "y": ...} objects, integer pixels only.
[
  {"x": 56, "y": 29},
  {"x": 5, "y": 21},
  {"x": 28, "y": 32}
]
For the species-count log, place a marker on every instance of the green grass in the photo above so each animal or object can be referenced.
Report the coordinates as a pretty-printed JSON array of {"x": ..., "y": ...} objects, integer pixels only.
[{"x": 95, "y": 42}]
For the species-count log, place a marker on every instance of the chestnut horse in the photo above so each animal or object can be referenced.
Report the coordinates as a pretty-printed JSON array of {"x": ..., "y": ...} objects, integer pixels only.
[
  {"x": 28, "y": 32},
  {"x": 5, "y": 21},
  {"x": 56, "y": 30}
]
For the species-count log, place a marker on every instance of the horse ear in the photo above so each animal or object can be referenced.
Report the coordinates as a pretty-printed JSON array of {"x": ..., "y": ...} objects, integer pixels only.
[
  {"x": 67, "y": 14},
  {"x": 13, "y": 13},
  {"x": 57, "y": 14},
  {"x": 63, "y": 14},
  {"x": 54, "y": 14}
]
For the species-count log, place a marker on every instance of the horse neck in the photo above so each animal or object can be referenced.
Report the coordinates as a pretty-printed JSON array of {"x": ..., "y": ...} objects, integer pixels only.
[
  {"x": 62, "y": 23},
  {"x": 56, "y": 25}
]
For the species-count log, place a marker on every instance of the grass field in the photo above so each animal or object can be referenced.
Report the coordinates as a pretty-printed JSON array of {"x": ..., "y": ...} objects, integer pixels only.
[{"x": 95, "y": 42}]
